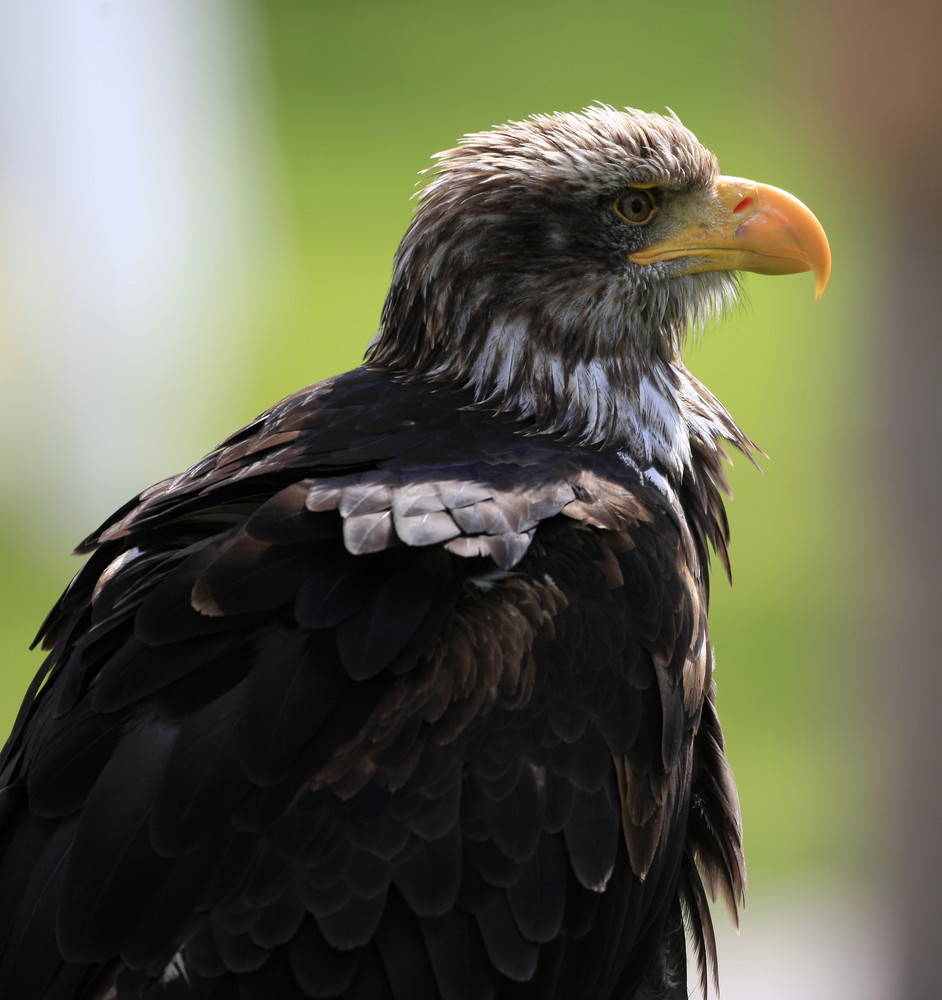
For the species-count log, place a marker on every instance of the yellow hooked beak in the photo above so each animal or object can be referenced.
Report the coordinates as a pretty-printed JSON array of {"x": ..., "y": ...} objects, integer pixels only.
[{"x": 744, "y": 226}]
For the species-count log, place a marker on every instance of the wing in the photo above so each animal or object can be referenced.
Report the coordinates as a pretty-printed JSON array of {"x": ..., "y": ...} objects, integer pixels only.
[{"x": 332, "y": 714}]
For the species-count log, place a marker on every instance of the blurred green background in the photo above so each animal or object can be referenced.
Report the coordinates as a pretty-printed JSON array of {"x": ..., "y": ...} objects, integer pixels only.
[{"x": 244, "y": 171}]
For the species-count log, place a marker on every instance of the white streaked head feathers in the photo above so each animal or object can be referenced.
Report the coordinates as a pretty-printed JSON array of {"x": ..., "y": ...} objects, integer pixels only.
[
  {"x": 584, "y": 148},
  {"x": 514, "y": 281}
]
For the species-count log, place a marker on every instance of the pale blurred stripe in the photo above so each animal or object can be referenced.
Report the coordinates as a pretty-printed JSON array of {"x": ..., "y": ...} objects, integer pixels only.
[
  {"x": 815, "y": 940},
  {"x": 136, "y": 209}
]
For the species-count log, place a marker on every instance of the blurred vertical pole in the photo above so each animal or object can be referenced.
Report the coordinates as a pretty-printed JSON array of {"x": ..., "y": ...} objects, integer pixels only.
[
  {"x": 134, "y": 224},
  {"x": 880, "y": 65}
]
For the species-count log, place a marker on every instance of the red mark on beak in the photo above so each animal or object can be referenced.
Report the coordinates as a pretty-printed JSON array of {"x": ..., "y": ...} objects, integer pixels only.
[{"x": 742, "y": 206}]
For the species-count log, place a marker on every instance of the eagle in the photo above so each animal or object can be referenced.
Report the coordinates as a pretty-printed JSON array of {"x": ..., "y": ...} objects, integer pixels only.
[{"x": 404, "y": 691}]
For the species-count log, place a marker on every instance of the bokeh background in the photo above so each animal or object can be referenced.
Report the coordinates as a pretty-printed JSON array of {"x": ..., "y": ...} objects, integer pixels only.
[{"x": 199, "y": 203}]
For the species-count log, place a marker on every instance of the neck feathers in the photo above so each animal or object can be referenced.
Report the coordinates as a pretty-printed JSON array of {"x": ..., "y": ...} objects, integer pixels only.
[{"x": 593, "y": 386}]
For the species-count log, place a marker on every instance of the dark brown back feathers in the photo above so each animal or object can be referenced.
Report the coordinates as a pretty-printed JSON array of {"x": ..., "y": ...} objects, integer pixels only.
[{"x": 334, "y": 676}]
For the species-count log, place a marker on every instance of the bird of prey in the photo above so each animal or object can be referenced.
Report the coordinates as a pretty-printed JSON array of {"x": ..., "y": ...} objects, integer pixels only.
[{"x": 404, "y": 690}]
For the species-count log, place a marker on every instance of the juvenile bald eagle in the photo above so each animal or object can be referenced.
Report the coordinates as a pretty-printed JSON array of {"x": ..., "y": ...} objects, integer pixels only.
[{"x": 404, "y": 691}]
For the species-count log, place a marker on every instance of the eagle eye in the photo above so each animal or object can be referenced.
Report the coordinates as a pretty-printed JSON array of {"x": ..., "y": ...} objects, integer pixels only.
[{"x": 636, "y": 205}]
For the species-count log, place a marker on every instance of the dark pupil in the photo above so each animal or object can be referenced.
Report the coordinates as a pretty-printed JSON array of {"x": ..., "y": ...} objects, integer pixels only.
[{"x": 637, "y": 206}]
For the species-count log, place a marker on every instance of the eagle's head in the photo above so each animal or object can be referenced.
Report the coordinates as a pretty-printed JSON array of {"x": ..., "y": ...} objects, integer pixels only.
[{"x": 555, "y": 264}]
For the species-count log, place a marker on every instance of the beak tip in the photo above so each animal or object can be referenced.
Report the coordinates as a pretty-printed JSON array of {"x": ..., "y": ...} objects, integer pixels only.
[{"x": 822, "y": 275}]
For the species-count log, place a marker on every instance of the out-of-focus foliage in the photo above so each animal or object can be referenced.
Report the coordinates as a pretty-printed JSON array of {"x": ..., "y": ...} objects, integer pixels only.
[{"x": 354, "y": 97}]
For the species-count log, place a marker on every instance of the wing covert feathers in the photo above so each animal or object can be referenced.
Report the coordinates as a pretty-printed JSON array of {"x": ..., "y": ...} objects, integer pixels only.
[{"x": 332, "y": 715}]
